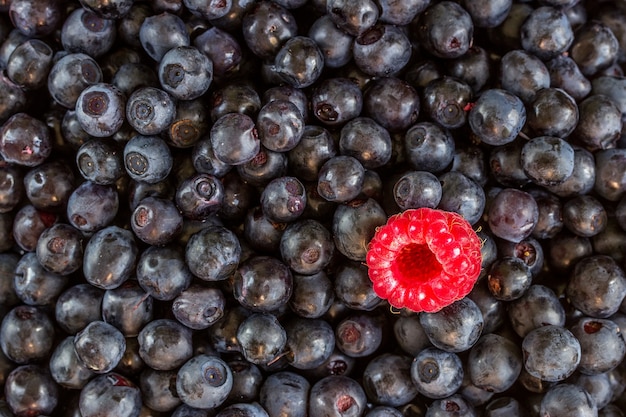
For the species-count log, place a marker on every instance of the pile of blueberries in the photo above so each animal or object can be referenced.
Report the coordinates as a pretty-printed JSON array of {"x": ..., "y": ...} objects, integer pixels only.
[{"x": 188, "y": 189}]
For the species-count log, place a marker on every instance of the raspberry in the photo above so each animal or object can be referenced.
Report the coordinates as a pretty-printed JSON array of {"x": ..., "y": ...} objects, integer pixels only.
[{"x": 424, "y": 259}]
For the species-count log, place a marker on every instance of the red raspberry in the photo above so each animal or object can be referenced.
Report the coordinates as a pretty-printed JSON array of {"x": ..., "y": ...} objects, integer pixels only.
[{"x": 424, "y": 259}]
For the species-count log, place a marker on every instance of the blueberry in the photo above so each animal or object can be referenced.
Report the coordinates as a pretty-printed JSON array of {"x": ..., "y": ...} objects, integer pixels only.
[
  {"x": 266, "y": 166},
  {"x": 109, "y": 257},
  {"x": 213, "y": 253},
  {"x": 306, "y": 246},
  {"x": 34, "y": 284},
  {"x": 382, "y": 50},
  {"x": 354, "y": 225},
  {"x": 336, "y": 396},
  {"x": 261, "y": 337},
  {"x": 335, "y": 44},
  {"x": 25, "y": 140},
  {"x": 85, "y": 32},
  {"x": 110, "y": 395},
  {"x": 161, "y": 32},
  {"x": 546, "y": 33},
  {"x": 387, "y": 380},
  {"x": 566, "y": 74},
  {"x": 310, "y": 342},
  {"x": 336, "y": 101},
  {"x": 564, "y": 399},
  {"x": 235, "y": 139},
  {"x": 199, "y": 307},
  {"x": 283, "y": 199},
  {"x": 91, "y": 206},
  {"x": 497, "y": 117},
  {"x": 99, "y": 347},
  {"x": 551, "y": 352},
  {"x": 299, "y": 62},
  {"x": 185, "y": 72},
  {"x": 189, "y": 125},
  {"x": 454, "y": 328},
  {"x": 523, "y": 74},
  {"x": 352, "y": 18},
  {"x": 165, "y": 344},
  {"x": 30, "y": 389},
  {"x": 553, "y": 112},
  {"x": 436, "y": 373},
  {"x": 100, "y": 161},
  {"x": 78, "y": 306},
  {"x": 147, "y": 158},
  {"x": 359, "y": 335},
  {"x": 27, "y": 334},
  {"x": 508, "y": 278},
  {"x": 285, "y": 392},
  {"x": 29, "y": 64},
  {"x": 495, "y": 363},
  {"x": 158, "y": 389},
  {"x": 280, "y": 125},
  {"x": 446, "y": 29},
  {"x": 513, "y": 215},
  {"x": 594, "y": 48},
  {"x": 262, "y": 284},
  {"x": 461, "y": 195},
  {"x": 450, "y": 406},
  {"x": 65, "y": 367},
  {"x": 127, "y": 307},
  {"x": 602, "y": 345},
  {"x": 445, "y": 101},
  {"x": 417, "y": 189},
  {"x": 150, "y": 110},
  {"x": 100, "y": 109},
  {"x": 354, "y": 288},
  {"x": 35, "y": 19}
]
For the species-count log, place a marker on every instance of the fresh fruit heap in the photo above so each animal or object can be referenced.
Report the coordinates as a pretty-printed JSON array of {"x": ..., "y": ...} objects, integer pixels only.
[{"x": 214, "y": 208}]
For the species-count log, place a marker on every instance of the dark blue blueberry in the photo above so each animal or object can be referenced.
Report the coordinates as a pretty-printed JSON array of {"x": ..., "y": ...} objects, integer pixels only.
[
  {"x": 552, "y": 112},
  {"x": 108, "y": 9},
  {"x": 263, "y": 284},
  {"x": 161, "y": 32},
  {"x": 109, "y": 257},
  {"x": 354, "y": 288},
  {"x": 110, "y": 395},
  {"x": 310, "y": 342},
  {"x": 99, "y": 346},
  {"x": 235, "y": 139},
  {"x": 158, "y": 389},
  {"x": 92, "y": 206},
  {"x": 185, "y": 72},
  {"x": 28, "y": 224},
  {"x": 85, "y": 32},
  {"x": 513, "y": 215},
  {"x": 213, "y": 253},
  {"x": 283, "y": 199},
  {"x": 599, "y": 124},
  {"x": 199, "y": 307},
  {"x": 26, "y": 334},
  {"x": 445, "y": 29},
  {"x": 78, "y": 306},
  {"x": 523, "y": 74},
  {"x": 546, "y": 33},
  {"x": 30, "y": 390},
  {"x": 494, "y": 363},
  {"x": 127, "y": 307},
  {"x": 610, "y": 178},
  {"x": 165, "y": 344},
  {"x": 235, "y": 97},
  {"x": 190, "y": 124},
  {"x": 360, "y": 335},
  {"x": 312, "y": 295},
  {"x": 352, "y": 18},
  {"x": 35, "y": 285},
  {"x": 280, "y": 125},
  {"x": 65, "y": 367},
  {"x": 150, "y": 110},
  {"x": 387, "y": 380},
  {"x": 354, "y": 226},
  {"x": 551, "y": 353},
  {"x": 60, "y": 249},
  {"x": 29, "y": 64},
  {"x": 261, "y": 338},
  {"x": 285, "y": 393},
  {"x": 602, "y": 345},
  {"x": 100, "y": 109},
  {"x": 147, "y": 159},
  {"x": 585, "y": 216},
  {"x": 429, "y": 147},
  {"x": 382, "y": 50},
  {"x": 335, "y": 44},
  {"x": 36, "y": 19},
  {"x": 436, "y": 373},
  {"x": 299, "y": 62},
  {"x": 565, "y": 74},
  {"x": 595, "y": 47},
  {"x": 266, "y": 166},
  {"x": 266, "y": 27},
  {"x": 454, "y": 328},
  {"x": 445, "y": 101},
  {"x": 367, "y": 141},
  {"x": 336, "y": 100},
  {"x": 156, "y": 221},
  {"x": 25, "y": 140},
  {"x": 497, "y": 117},
  {"x": 461, "y": 195},
  {"x": 335, "y": 396},
  {"x": 564, "y": 399},
  {"x": 306, "y": 247},
  {"x": 100, "y": 161}
]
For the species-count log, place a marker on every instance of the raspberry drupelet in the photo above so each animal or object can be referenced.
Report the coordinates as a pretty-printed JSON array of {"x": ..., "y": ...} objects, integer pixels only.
[{"x": 424, "y": 259}]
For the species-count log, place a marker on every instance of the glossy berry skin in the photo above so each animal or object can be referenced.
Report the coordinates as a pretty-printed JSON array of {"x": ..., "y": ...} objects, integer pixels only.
[
  {"x": 352, "y": 18},
  {"x": 538, "y": 306},
  {"x": 60, "y": 249},
  {"x": 382, "y": 50},
  {"x": 30, "y": 389},
  {"x": 523, "y": 74},
  {"x": 445, "y": 30},
  {"x": 263, "y": 284},
  {"x": 127, "y": 307},
  {"x": 261, "y": 338},
  {"x": 190, "y": 124},
  {"x": 285, "y": 392},
  {"x": 565, "y": 74},
  {"x": 454, "y": 328},
  {"x": 513, "y": 214},
  {"x": 150, "y": 110},
  {"x": 585, "y": 216},
  {"x": 156, "y": 221},
  {"x": 497, "y": 117},
  {"x": 185, "y": 72},
  {"x": 595, "y": 47},
  {"x": 509, "y": 278},
  {"x": 354, "y": 226},
  {"x": 92, "y": 207},
  {"x": 283, "y": 199},
  {"x": 85, "y": 32},
  {"x": 110, "y": 395},
  {"x": 599, "y": 124},
  {"x": 161, "y": 32},
  {"x": 65, "y": 367},
  {"x": 99, "y": 346},
  {"x": 78, "y": 306},
  {"x": 35, "y": 285},
  {"x": 267, "y": 26},
  {"x": 222, "y": 48},
  {"x": 340, "y": 179},
  {"x": 461, "y": 195},
  {"x": 199, "y": 307},
  {"x": 299, "y": 62},
  {"x": 436, "y": 373},
  {"x": 551, "y": 353},
  {"x": 387, "y": 380},
  {"x": 359, "y": 335},
  {"x": 213, "y": 253},
  {"x": 165, "y": 344},
  {"x": 335, "y": 101},
  {"x": 546, "y": 33},
  {"x": 310, "y": 342},
  {"x": 306, "y": 247},
  {"x": 200, "y": 196},
  {"x": 392, "y": 102},
  {"x": 596, "y": 286},
  {"x": 335, "y": 44},
  {"x": 336, "y": 396},
  {"x": 26, "y": 334},
  {"x": 553, "y": 112},
  {"x": 367, "y": 141},
  {"x": 35, "y": 19},
  {"x": 417, "y": 189},
  {"x": 429, "y": 147},
  {"x": 494, "y": 363},
  {"x": 602, "y": 345},
  {"x": 25, "y": 140},
  {"x": 267, "y": 165},
  {"x": 100, "y": 109},
  {"x": 147, "y": 159},
  {"x": 446, "y": 247},
  {"x": 235, "y": 139},
  {"x": 100, "y": 161},
  {"x": 354, "y": 288},
  {"x": 445, "y": 100},
  {"x": 35, "y": 56},
  {"x": 568, "y": 399},
  {"x": 280, "y": 125},
  {"x": 109, "y": 257}
]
